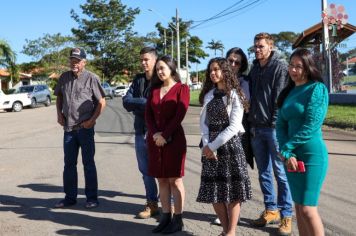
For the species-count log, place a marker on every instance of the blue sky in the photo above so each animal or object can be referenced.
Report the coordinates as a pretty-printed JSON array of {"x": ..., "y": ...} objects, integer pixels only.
[{"x": 24, "y": 19}]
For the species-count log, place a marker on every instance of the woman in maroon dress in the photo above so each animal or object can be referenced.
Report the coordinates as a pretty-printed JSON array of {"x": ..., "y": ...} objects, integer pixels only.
[{"x": 167, "y": 146}]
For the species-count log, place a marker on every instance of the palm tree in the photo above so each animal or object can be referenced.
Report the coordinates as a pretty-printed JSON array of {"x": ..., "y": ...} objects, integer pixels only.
[
  {"x": 216, "y": 45},
  {"x": 8, "y": 58}
]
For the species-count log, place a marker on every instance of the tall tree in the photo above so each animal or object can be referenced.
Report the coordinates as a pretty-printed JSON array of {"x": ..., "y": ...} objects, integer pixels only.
[
  {"x": 8, "y": 60},
  {"x": 51, "y": 51},
  {"x": 195, "y": 44},
  {"x": 104, "y": 29},
  {"x": 7, "y": 55},
  {"x": 349, "y": 54},
  {"x": 216, "y": 45},
  {"x": 284, "y": 41}
]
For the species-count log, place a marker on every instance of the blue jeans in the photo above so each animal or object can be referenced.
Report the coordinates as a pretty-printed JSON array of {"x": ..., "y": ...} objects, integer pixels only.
[
  {"x": 142, "y": 161},
  {"x": 265, "y": 149},
  {"x": 72, "y": 141}
]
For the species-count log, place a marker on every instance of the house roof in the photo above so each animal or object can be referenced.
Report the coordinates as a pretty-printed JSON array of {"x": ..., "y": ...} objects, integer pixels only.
[
  {"x": 4, "y": 73},
  {"x": 314, "y": 34},
  {"x": 350, "y": 61}
]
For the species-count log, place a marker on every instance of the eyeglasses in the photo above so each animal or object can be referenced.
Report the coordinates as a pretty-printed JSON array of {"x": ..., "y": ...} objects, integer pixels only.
[
  {"x": 296, "y": 67},
  {"x": 236, "y": 62}
]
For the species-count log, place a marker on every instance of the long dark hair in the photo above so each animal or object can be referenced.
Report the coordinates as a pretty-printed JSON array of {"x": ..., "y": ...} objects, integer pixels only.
[
  {"x": 229, "y": 81},
  {"x": 310, "y": 69},
  {"x": 170, "y": 62},
  {"x": 244, "y": 62}
]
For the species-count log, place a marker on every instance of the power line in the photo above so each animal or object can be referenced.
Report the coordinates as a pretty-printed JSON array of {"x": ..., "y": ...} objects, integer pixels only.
[
  {"x": 233, "y": 5},
  {"x": 238, "y": 14},
  {"x": 220, "y": 14}
]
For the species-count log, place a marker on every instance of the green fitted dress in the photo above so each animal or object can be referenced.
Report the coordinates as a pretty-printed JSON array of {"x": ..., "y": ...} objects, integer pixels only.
[{"x": 299, "y": 134}]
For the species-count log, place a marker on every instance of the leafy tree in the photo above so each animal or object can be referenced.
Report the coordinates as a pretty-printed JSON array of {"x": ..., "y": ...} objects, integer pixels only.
[
  {"x": 284, "y": 41},
  {"x": 216, "y": 45},
  {"x": 105, "y": 28},
  {"x": 8, "y": 60},
  {"x": 349, "y": 54},
  {"x": 195, "y": 44},
  {"x": 51, "y": 51},
  {"x": 251, "y": 51},
  {"x": 194, "y": 50},
  {"x": 131, "y": 52},
  {"x": 201, "y": 75},
  {"x": 7, "y": 56}
]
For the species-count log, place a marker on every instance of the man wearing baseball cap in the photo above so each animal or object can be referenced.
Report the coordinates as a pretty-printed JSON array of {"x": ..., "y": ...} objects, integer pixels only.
[{"x": 80, "y": 101}]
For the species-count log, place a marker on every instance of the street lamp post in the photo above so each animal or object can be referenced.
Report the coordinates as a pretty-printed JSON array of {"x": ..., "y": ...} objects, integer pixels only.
[
  {"x": 186, "y": 59},
  {"x": 178, "y": 40},
  {"x": 176, "y": 28},
  {"x": 172, "y": 43},
  {"x": 165, "y": 41},
  {"x": 326, "y": 49}
]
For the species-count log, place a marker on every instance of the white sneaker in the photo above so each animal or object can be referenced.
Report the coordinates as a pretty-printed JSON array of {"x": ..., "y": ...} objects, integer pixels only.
[{"x": 216, "y": 221}]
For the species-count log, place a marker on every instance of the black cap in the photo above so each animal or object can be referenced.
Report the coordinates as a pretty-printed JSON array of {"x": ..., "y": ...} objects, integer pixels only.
[{"x": 78, "y": 53}]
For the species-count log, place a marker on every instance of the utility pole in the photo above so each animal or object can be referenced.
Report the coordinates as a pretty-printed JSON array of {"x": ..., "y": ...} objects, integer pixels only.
[
  {"x": 172, "y": 43},
  {"x": 165, "y": 33},
  {"x": 347, "y": 66},
  {"x": 165, "y": 41},
  {"x": 326, "y": 49},
  {"x": 186, "y": 58},
  {"x": 196, "y": 69},
  {"x": 178, "y": 40}
]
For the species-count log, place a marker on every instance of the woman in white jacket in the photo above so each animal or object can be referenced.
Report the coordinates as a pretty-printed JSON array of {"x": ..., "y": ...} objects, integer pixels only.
[{"x": 224, "y": 179}]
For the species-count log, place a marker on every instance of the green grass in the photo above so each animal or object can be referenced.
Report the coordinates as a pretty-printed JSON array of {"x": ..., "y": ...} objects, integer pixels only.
[
  {"x": 349, "y": 79},
  {"x": 341, "y": 116},
  {"x": 194, "y": 98}
]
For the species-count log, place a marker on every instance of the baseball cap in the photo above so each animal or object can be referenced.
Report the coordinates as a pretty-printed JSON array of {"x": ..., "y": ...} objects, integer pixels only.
[{"x": 78, "y": 53}]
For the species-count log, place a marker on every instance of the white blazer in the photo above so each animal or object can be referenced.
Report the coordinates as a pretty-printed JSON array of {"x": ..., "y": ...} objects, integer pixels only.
[{"x": 234, "y": 110}]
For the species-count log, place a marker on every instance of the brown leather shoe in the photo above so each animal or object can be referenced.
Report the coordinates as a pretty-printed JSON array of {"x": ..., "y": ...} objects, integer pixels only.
[
  {"x": 285, "y": 228},
  {"x": 151, "y": 209},
  {"x": 267, "y": 217}
]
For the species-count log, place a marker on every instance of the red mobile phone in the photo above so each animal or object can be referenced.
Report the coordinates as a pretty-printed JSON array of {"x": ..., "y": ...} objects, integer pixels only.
[{"x": 301, "y": 167}]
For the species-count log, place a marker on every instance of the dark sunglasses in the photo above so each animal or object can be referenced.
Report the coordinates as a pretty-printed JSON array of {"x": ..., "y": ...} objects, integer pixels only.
[{"x": 231, "y": 62}]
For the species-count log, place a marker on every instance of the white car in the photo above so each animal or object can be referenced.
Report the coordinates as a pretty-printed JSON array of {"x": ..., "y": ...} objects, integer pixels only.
[
  {"x": 109, "y": 91},
  {"x": 13, "y": 102},
  {"x": 195, "y": 86},
  {"x": 121, "y": 90}
]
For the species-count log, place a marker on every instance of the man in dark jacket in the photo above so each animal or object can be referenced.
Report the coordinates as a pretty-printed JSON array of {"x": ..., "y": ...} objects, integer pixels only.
[
  {"x": 268, "y": 77},
  {"x": 135, "y": 101}
]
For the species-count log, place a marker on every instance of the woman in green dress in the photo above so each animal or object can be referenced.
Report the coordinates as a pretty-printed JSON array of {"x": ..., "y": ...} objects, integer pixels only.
[{"x": 302, "y": 108}]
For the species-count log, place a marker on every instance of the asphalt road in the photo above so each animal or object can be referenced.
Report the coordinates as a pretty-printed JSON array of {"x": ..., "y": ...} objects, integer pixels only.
[{"x": 31, "y": 180}]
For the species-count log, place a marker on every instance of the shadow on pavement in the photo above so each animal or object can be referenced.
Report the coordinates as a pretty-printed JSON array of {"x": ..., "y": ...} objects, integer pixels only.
[
  {"x": 247, "y": 223},
  {"x": 77, "y": 216},
  {"x": 42, "y": 210},
  {"x": 48, "y": 188}
]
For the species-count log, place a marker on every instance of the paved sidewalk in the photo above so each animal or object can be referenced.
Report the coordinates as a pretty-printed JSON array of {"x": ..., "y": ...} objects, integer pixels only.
[{"x": 31, "y": 181}]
